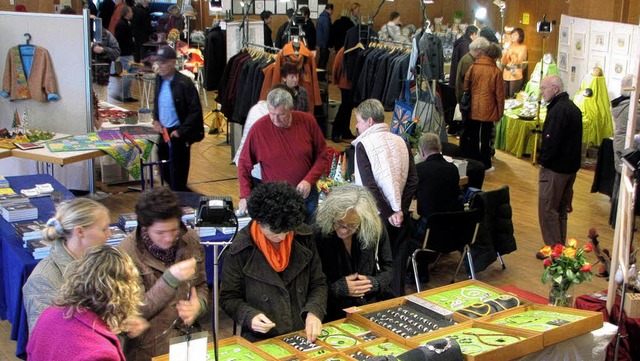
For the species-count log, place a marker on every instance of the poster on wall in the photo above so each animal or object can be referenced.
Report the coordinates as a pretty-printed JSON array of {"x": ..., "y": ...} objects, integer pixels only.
[
  {"x": 564, "y": 35},
  {"x": 562, "y": 60},
  {"x": 259, "y": 6},
  {"x": 599, "y": 41},
  {"x": 598, "y": 60},
  {"x": 619, "y": 67},
  {"x": 578, "y": 49},
  {"x": 621, "y": 43}
]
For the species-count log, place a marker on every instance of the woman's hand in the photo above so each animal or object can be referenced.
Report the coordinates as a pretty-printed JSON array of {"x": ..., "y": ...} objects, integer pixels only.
[
  {"x": 135, "y": 326},
  {"x": 358, "y": 285},
  {"x": 262, "y": 323},
  {"x": 184, "y": 270},
  {"x": 313, "y": 327},
  {"x": 188, "y": 310}
]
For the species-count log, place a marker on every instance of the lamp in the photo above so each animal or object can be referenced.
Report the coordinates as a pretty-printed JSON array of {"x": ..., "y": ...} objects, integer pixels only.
[
  {"x": 480, "y": 13},
  {"x": 502, "y": 6}
]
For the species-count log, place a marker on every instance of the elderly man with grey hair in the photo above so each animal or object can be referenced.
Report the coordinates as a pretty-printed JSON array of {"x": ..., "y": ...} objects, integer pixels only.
[
  {"x": 438, "y": 179},
  {"x": 288, "y": 145},
  {"x": 560, "y": 155},
  {"x": 384, "y": 165}
]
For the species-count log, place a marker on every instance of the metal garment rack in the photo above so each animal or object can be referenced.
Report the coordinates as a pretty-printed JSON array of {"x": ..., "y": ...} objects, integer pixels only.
[{"x": 247, "y": 44}]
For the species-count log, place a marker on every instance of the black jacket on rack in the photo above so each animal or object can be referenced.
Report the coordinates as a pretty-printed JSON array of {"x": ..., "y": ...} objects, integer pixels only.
[{"x": 215, "y": 57}]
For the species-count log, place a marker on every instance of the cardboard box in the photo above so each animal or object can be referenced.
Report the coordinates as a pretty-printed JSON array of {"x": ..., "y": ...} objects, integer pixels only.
[
  {"x": 632, "y": 304},
  {"x": 589, "y": 321}
]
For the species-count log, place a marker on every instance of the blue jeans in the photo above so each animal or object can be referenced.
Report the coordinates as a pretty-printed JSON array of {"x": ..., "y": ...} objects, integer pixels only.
[{"x": 312, "y": 203}]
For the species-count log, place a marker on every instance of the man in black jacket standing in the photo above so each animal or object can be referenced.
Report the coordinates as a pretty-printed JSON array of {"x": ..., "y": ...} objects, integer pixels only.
[
  {"x": 177, "y": 108},
  {"x": 559, "y": 160}
]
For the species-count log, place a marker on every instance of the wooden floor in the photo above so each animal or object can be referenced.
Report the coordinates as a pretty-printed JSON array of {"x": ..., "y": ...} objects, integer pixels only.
[{"x": 213, "y": 174}]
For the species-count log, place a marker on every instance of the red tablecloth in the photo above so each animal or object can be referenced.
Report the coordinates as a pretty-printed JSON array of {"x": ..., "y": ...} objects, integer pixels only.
[{"x": 630, "y": 346}]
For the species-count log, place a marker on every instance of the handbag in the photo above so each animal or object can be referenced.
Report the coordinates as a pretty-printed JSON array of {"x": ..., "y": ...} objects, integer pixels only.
[
  {"x": 402, "y": 119},
  {"x": 465, "y": 100}
]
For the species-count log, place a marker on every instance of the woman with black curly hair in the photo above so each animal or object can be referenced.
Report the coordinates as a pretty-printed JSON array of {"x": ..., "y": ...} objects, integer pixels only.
[{"x": 272, "y": 280}]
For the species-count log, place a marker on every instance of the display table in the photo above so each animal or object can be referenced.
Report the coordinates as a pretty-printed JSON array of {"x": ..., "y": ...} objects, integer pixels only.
[
  {"x": 515, "y": 135},
  {"x": 453, "y": 312},
  {"x": 17, "y": 261},
  {"x": 630, "y": 346}
]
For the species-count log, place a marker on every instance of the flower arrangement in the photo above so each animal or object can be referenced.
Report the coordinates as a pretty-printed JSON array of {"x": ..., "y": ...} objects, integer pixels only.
[{"x": 565, "y": 266}]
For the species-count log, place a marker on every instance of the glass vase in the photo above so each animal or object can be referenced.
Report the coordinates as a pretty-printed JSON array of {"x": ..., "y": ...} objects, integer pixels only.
[{"x": 561, "y": 294}]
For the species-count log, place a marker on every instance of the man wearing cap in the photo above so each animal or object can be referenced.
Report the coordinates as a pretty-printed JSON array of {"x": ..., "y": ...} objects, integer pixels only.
[
  {"x": 266, "y": 18},
  {"x": 176, "y": 108}
]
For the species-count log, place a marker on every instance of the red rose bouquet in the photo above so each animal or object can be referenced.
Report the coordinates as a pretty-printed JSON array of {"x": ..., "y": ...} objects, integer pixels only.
[{"x": 565, "y": 266}]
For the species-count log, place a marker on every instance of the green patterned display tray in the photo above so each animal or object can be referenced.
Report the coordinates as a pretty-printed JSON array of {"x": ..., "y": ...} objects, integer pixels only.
[
  {"x": 275, "y": 350},
  {"x": 538, "y": 320},
  {"x": 353, "y": 328},
  {"x": 474, "y": 341},
  {"x": 337, "y": 338},
  {"x": 235, "y": 352},
  {"x": 385, "y": 349},
  {"x": 458, "y": 298},
  {"x": 318, "y": 353}
]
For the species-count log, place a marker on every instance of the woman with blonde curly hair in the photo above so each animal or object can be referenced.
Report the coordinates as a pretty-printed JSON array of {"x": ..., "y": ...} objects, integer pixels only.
[
  {"x": 354, "y": 249},
  {"x": 100, "y": 293}
]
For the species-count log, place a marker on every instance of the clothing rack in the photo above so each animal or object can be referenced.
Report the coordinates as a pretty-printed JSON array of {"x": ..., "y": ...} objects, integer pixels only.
[
  {"x": 246, "y": 43},
  {"x": 384, "y": 42}
]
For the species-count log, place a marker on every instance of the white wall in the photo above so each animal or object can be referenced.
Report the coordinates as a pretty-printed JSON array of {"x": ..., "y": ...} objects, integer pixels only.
[{"x": 64, "y": 36}]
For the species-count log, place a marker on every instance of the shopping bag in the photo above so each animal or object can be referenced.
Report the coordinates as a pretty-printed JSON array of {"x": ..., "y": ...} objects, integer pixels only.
[{"x": 402, "y": 119}]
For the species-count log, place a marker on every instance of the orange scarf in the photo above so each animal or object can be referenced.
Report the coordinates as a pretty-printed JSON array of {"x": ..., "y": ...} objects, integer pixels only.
[{"x": 277, "y": 258}]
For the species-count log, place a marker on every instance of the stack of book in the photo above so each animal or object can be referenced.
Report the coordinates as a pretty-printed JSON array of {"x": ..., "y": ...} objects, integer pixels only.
[
  {"x": 202, "y": 231},
  {"x": 4, "y": 183},
  {"x": 19, "y": 212},
  {"x": 188, "y": 213},
  {"x": 242, "y": 222},
  {"x": 128, "y": 221},
  {"x": 117, "y": 235},
  {"x": 13, "y": 198},
  {"x": 39, "y": 248},
  {"x": 27, "y": 231}
]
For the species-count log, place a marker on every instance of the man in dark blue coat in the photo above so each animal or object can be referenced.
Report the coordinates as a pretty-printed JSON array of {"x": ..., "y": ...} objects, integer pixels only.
[{"x": 323, "y": 31}]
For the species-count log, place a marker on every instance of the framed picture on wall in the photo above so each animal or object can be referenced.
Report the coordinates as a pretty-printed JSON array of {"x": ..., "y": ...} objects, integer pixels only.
[
  {"x": 620, "y": 44},
  {"x": 599, "y": 41},
  {"x": 578, "y": 46},
  {"x": 598, "y": 60},
  {"x": 619, "y": 67},
  {"x": 564, "y": 35},
  {"x": 562, "y": 60}
]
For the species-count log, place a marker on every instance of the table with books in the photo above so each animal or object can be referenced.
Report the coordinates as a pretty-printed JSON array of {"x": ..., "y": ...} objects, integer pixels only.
[
  {"x": 17, "y": 261},
  {"x": 468, "y": 320}
]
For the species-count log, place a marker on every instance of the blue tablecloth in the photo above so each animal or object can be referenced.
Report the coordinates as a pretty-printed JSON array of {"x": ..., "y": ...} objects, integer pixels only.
[{"x": 17, "y": 262}]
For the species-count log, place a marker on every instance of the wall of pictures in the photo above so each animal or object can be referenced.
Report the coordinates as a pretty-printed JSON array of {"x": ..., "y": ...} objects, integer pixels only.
[
  {"x": 278, "y": 7},
  {"x": 584, "y": 44}
]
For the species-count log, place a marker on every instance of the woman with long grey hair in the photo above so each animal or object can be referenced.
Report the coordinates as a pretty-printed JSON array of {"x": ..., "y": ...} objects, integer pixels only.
[{"x": 354, "y": 249}]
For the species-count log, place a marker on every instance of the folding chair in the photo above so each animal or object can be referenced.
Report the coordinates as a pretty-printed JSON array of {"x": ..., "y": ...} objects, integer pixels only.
[
  {"x": 148, "y": 166},
  {"x": 448, "y": 232}
]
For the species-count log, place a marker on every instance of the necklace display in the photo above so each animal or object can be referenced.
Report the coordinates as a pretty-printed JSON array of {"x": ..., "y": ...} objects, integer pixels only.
[{"x": 501, "y": 341}]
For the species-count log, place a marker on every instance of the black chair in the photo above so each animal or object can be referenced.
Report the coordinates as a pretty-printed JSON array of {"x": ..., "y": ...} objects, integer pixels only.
[{"x": 448, "y": 232}]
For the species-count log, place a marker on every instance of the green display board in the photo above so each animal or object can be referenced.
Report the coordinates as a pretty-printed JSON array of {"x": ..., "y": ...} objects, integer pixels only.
[
  {"x": 474, "y": 341},
  {"x": 538, "y": 320}
]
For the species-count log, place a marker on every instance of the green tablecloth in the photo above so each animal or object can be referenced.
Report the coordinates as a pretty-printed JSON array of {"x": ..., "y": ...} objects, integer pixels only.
[{"x": 515, "y": 135}]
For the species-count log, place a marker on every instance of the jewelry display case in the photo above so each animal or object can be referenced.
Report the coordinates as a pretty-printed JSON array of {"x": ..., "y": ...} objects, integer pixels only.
[
  {"x": 555, "y": 323},
  {"x": 486, "y": 342}
]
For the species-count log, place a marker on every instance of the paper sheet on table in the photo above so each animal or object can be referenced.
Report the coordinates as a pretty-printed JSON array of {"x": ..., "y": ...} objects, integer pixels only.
[{"x": 194, "y": 350}]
